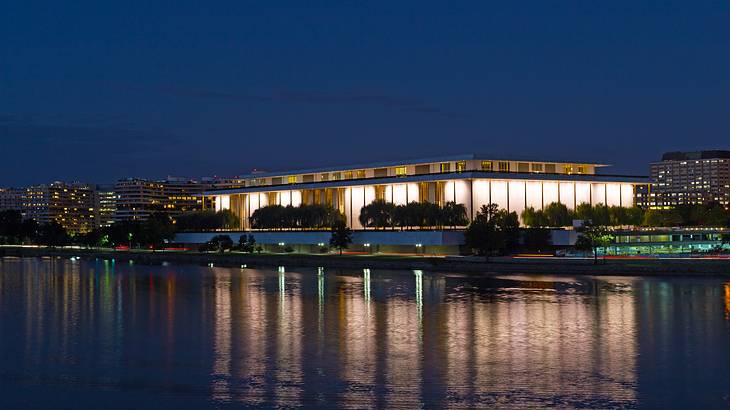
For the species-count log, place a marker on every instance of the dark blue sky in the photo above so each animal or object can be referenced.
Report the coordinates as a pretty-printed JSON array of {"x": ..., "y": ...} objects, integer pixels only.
[{"x": 97, "y": 91}]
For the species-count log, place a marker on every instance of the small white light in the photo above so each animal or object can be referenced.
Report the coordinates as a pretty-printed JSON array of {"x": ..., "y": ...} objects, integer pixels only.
[
  {"x": 418, "y": 245},
  {"x": 281, "y": 244},
  {"x": 367, "y": 245}
]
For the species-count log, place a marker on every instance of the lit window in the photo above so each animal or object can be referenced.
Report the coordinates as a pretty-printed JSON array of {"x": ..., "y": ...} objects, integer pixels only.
[
  {"x": 503, "y": 166},
  {"x": 348, "y": 174},
  {"x": 445, "y": 167},
  {"x": 292, "y": 179},
  {"x": 536, "y": 167},
  {"x": 461, "y": 166},
  {"x": 361, "y": 173},
  {"x": 400, "y": 171},
  {"x": 486, "y": 165}
]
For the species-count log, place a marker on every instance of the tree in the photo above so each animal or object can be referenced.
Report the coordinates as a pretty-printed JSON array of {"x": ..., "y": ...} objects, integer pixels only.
[
  {"x": 662, "y": 217},
  {"x": 454, "y": 214},
  {"x": 534, "y": 218},
  {"x": 157, "y": 230},
  {"x": 246, "y": 243},
  {"x": 221, "y": 243},
  {"x": 593, "y": 237},
  {"x": 90, "y": 239},
  {"x": 341, "y": 236},
  {"x": 584, "y": 211},
  {"x": 377, "y": 214},
  {"x": 53, "y": 234},
  {"x": 207, "y": 220},
  {"x": 301, "y": 217},
  {"x": 482, "y": 235},
  {"x": 11, "y": 223},
  {"x": 557, "y": 214}
]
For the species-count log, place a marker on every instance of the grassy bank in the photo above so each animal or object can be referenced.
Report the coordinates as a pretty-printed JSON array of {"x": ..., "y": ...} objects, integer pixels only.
[{"x": 692, "y": 266}]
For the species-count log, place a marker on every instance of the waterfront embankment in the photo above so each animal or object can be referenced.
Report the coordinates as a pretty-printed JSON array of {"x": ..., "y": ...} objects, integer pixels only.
[{"x": 501, "y": 265}]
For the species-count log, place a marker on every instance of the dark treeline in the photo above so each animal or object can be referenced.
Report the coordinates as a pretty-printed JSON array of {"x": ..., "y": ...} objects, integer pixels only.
[
  {"x": 14, "y": 230},
  {"x": 711, "y": 215},
  {"x": 380, "y": 215},
  {"x": 556, "y": 214},
  {"x": 152, "y": 233},
  {"x": 300, "y": 217},
  {"x": 207, "y": 220}
]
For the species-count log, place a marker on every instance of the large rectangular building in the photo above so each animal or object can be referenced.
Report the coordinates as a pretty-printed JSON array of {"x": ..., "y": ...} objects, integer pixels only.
[
  {"x": 106, "y": 205},
  {"x": 137, "y": 199},
  {"x": 470, "y": 180},
  {"x": 72, "y": 205},
  {"x": 691, "y": 178}
]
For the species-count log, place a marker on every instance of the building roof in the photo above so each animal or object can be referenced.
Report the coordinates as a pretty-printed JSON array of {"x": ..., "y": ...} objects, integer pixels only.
[
  {"x": 435, "y": 177},
  {"x": 412, "y": 161},
  {"x": 692, "y": 155}
]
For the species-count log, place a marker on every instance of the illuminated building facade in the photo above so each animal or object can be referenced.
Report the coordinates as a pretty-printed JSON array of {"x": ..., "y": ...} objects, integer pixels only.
[
  {"x": 467, "y": 179},
  {"x": 106, "y": 205},
  {"x": 691, "y": 178},
  {"x": 137, "y": 198},
  {"x": 71, "y": 205}
]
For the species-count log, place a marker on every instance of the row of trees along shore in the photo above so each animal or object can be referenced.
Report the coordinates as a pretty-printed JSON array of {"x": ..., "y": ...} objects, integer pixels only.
[
  {"x": 556, "y": 214},
  {"x": 14, "y": 230},
  {"x": 378, "y": 214},
  {"x": 382, "y": 215},
  {"x": 279, "y": 217}
]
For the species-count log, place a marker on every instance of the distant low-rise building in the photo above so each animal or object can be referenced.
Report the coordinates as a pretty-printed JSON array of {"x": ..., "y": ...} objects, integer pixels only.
[
  {"x": 137, "y": 199},
  {"x": 690, "y": 178},
  {"x": 11, "y": 199}
]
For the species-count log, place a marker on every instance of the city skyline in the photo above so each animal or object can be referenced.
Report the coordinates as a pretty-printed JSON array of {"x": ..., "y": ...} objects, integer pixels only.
[{"x": 98, "y": 92}]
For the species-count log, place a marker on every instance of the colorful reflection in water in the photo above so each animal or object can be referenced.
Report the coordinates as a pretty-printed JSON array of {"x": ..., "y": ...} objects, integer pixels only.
[{"x": 190, "y": 337}]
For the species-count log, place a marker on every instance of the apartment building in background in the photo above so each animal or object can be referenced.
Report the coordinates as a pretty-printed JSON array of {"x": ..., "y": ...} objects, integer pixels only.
[
  {"x": 11, "y": 199},
  {"x": 696, "y": 177},
  {"x": 137, "y": 198},
  {"x": 106, "y": 205},
  {"x": 72, "y": 205}
]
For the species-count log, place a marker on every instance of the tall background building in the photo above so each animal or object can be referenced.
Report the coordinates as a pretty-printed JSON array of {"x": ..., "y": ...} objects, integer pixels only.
[
  {"x": 106, "y": 205},
  {"x": 72, "y": 205},
  {"x": 695, "y": 177}
]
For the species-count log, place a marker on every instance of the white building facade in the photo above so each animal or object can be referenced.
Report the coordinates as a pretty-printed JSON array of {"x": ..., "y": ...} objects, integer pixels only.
[{"x": 467, "y": 179}]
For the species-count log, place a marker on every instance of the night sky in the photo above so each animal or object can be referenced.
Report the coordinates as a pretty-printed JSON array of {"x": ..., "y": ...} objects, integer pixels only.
[{"x": 97, "y": 91}]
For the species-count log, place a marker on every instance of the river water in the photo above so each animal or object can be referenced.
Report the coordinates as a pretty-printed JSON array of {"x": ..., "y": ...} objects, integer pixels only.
[{"x": 100, "y": 334}]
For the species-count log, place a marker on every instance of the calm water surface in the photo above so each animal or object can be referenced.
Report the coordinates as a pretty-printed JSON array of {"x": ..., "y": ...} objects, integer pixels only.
[{"x": 99, "y": 334}]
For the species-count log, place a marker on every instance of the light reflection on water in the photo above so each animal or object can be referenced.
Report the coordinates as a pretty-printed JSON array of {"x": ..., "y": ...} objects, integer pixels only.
[{"x": 190, "y": 337}]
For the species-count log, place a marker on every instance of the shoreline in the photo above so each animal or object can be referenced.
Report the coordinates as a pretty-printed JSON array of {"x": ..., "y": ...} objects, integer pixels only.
[{"x": 497, "y": 265}]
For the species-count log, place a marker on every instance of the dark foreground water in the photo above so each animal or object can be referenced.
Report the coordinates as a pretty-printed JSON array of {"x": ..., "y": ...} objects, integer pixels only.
[{"x": 77, "y": 334}]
